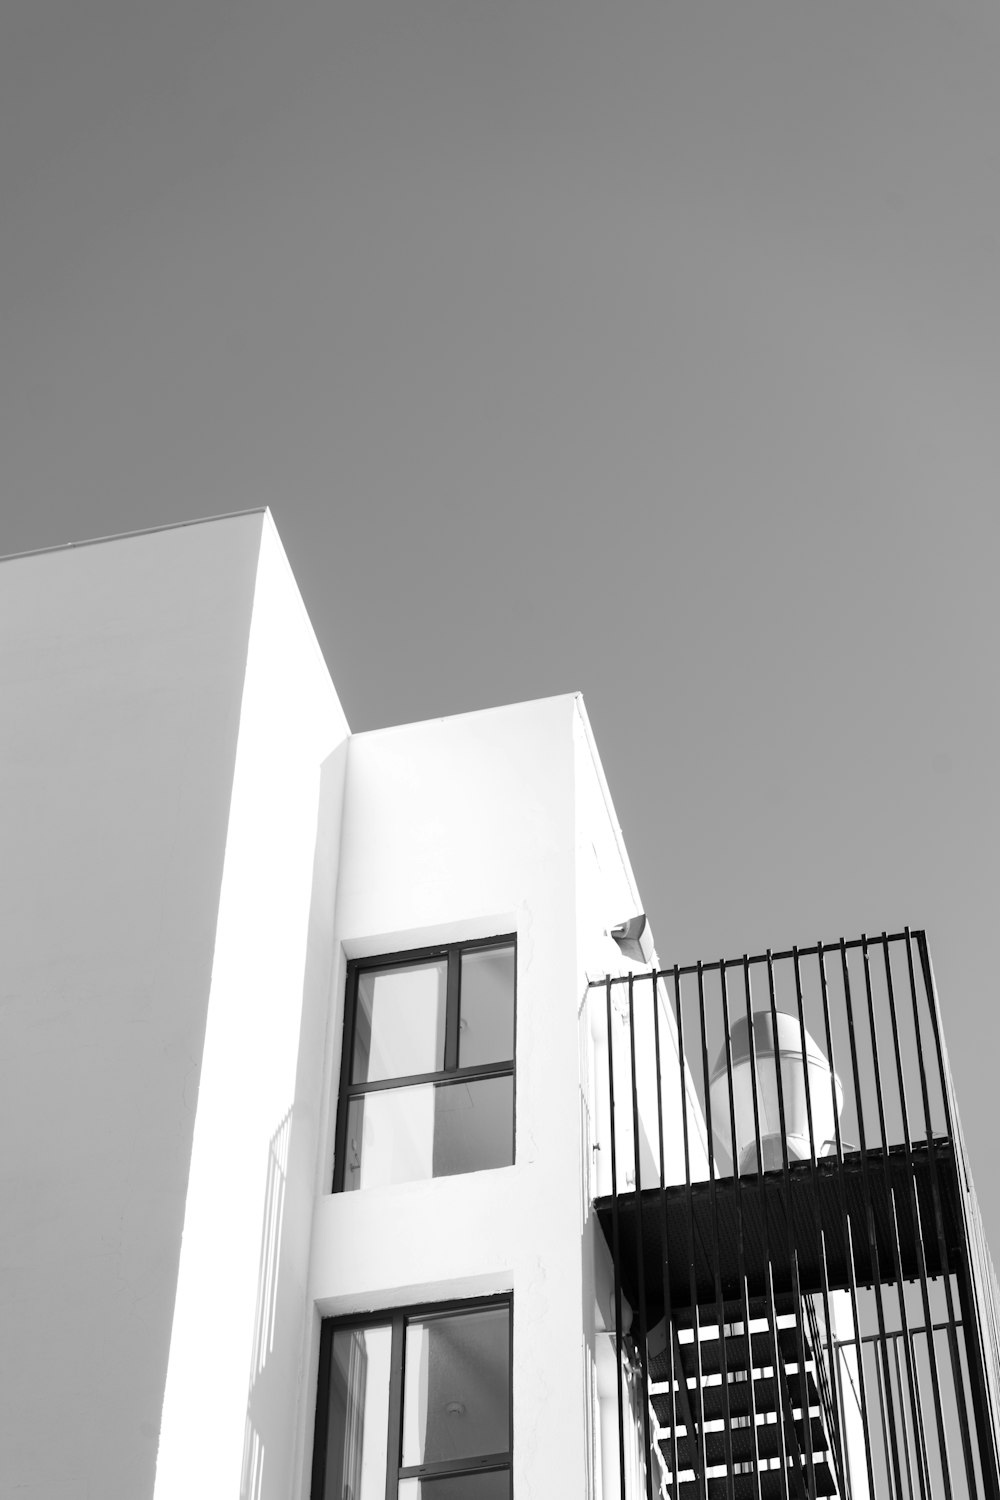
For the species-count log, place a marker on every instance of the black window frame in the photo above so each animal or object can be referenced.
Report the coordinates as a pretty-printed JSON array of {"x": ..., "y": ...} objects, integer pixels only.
[
  {"x": 451, "y": 1072},
  {"x": 397, "y": 1320}
]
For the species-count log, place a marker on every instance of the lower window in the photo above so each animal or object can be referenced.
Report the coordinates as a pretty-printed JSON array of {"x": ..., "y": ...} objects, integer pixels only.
[{"x": 415, "y": 1405}]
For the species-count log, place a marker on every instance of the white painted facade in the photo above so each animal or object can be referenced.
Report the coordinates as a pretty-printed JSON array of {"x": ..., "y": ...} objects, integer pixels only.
[{"x": 194, "y": 847}]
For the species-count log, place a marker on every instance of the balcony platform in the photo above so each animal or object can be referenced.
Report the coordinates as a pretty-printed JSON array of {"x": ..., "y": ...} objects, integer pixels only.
[{"x": 818, "y": 1209}]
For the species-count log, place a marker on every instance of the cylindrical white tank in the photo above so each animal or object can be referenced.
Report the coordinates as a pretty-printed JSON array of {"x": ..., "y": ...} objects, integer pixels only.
[{"x": 769, "y": 1056}]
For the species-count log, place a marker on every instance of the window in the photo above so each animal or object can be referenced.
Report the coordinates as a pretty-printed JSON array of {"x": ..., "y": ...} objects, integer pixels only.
[
  {"x": 427, "y": 1080},
  {"x": 415, "y": 1405}
]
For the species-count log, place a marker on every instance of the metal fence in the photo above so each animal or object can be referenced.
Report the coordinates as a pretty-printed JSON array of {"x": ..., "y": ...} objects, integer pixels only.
[{"x": 799, "y": 1258}]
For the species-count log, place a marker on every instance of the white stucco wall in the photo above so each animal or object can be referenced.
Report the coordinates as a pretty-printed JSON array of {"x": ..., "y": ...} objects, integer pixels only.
[
  {"x": 238, "y": 1369},
  {"x": 464, "y": 828},
  {"x": 459, "y": 828},
  {"x": 121, "y": 674},
  {"x": 606, "y": 896}
]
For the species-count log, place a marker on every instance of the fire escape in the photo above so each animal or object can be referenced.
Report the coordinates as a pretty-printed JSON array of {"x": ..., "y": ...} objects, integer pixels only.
[{"x": 804, "y": 1301}]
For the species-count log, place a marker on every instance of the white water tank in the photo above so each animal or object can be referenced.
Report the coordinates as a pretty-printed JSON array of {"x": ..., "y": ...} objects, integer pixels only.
[{"x": 775, "y": 1050}]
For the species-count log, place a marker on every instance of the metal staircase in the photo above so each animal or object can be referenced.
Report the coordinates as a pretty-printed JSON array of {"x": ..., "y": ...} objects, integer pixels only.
[
  {"x": 742, "y": 1415},
  {"x": 804, "y": 1301}
]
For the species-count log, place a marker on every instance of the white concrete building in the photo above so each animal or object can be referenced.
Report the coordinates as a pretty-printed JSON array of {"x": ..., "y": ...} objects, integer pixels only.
[
  {"x": 311, "y": 1164},
  {"x": 201, "y": 867}
]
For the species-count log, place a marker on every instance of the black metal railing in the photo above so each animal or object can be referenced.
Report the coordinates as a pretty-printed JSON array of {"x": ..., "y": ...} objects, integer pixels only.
[{"x": 799, "y": 1257}]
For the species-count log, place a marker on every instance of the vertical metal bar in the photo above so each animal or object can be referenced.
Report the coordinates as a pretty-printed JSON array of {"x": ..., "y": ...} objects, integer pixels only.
[
  {"x": 668, "y": 1314},
  {"x": 845, "y": 1218},
  {"x": 849, "y": 1013},
  {"x": 777, "y": 1063},
  {"x": 453, "y": 981},
  {"x": 639, "y": 1259},
  {"x": 752, "y": 1053},
  {"x": 510, "y": 1367},
  {"x": 828, "y": 1398},
  {"x": 616, "y": 1247},
  {"x": 782, "y": 1410},
  {"x": 322, "y": 1429},
  {"x": 792, "y": 1475},
  {"x": 911, "y": 1372},
  {"x": 877, "y": 1344},
  {"x": 958, "y": 1379},
  {"x": 942, "y": 1247},
  {"x": 396, "y": 1373},
  {"x": 700, "y": 1456},
  {"x": 836, "y": 1350},
  {"x": 817, "y": 1215},
  {"x": 907, "y": 1446},
  {"x": 980, "y": 1399},
  {"x": 866, "y": 969},
  {"x": 988, "y": 1454},
  {"x": 792, "y": 1249},
  {"x": 740, "y": 1239},
  {"x": 919, "y": 1246},
  {"x": 805, "y": 1075},
  {"x": 346, "y": 1058},
  {"x": 897, "y": 1265},
  {"x": 716, "y": 1269},
  {"x": 866, "y": 1178},
  {"x": 825, "y": 996},
  {"x": 923, "y": 1454}
]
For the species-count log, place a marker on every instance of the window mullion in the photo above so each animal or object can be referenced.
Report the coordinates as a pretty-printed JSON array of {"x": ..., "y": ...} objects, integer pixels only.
[
  {"x": 452, "y": 1010},
  {"x": 475, "y": 1073},
  {"x": 347, "y": 1050},
  {"x": 395, "y": 1436},
  {"x": 322, "y": 1409}
]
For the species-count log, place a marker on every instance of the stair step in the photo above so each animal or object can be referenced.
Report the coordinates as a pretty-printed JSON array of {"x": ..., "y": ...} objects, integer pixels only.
[
  {"x": 774, "y": 1485},
  {"x": 744, "y": 1339},
  {"x": 741, "y": 1438},
  {"x": 732, "y": 1312},
  {"x": 766, "y": 1398},
  {"x": 741, "y": 1353}
]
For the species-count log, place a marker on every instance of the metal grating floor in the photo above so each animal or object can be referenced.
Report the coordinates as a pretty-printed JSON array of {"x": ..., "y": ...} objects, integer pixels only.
[{"x": 821, "y": 1201}]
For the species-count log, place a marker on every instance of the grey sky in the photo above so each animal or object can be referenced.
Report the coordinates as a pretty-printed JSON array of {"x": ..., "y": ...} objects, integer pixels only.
[{"x": 647, "y": 349}]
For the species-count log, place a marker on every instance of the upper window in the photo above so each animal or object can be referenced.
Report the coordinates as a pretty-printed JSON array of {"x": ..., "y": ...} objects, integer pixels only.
[
  {"x": 427, "y": 1081},
  {"x": 415, "y": 1405}
]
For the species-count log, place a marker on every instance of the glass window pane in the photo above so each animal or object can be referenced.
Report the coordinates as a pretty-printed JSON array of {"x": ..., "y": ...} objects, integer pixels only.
[
  {"x": 493, "y": 1485},
  {"x": 473, "y": 1126},
  {"x": 399, "y": 1022},
  {"x": 358, "y": 1414},
  {"x": 486, "y": 1027},
  {"x": 456, "y": 1386},
  {"x": 431, "y": 1130}
]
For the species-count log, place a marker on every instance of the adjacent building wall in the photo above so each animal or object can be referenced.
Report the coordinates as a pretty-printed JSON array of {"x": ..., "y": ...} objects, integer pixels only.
[{"x": 121, "y": 675}]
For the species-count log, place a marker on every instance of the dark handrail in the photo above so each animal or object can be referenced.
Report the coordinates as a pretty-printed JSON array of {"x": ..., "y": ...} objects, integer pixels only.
[{"x": 830, "y": 1416}]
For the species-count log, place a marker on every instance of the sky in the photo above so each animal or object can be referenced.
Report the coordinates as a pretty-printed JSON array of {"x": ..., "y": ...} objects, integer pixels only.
[{"x": 643, "y": 349}]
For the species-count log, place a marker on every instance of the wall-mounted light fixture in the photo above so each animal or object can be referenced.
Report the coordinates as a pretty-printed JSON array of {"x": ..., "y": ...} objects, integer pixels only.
[{"x": 628, "y": 935}]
